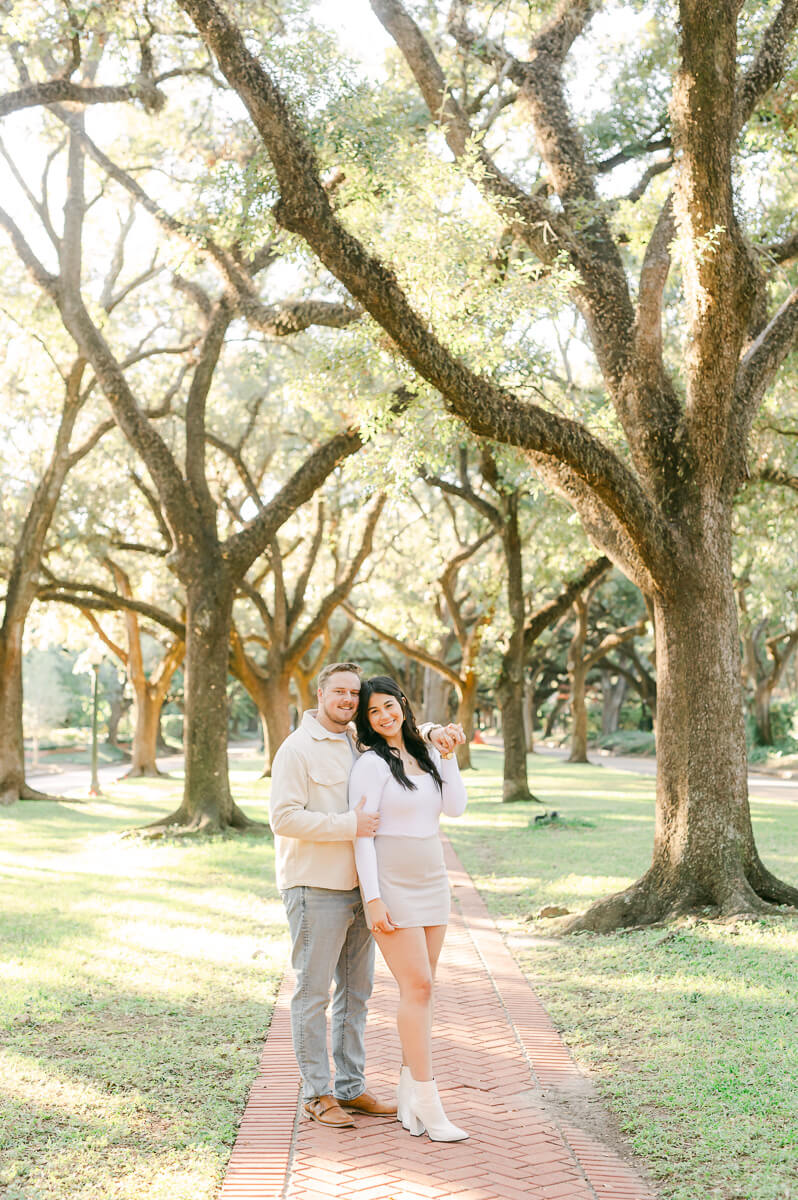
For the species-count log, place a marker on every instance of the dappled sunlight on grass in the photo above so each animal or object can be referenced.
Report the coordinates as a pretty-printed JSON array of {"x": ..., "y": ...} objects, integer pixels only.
[
  {"x": 25, "y": 1081},
  {"x": 139, "y": 978},
  {"x": 138, "y": 982},
  {"x": 689, "y": 1031}
]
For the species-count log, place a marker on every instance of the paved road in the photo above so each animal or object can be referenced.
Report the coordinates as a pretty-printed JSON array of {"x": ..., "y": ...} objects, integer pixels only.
[
  {"x": 77, "y": 778},
  {"x": 768, "y": 786}
]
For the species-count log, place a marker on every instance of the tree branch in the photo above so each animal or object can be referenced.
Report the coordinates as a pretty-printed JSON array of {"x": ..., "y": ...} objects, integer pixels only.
[
  {"x": 776, "y": 476},
  {"x": 85, "y": 595},
  {"x": 467, "y": 493},
  {"x": 414, "y": 652},
  {"x": 653, "y": 277},
  {"x": 292, "y": 316},
  {"x": 63, "y": 91},
  {"x": 612, "y": 641},
  {"x": 769, "y": 63},
  {"x": 331, "y": 601},
  {"x": 113, "y": 646},
  {"x": 298, "y": 601},
  {"x": 548, "y": 613},
  {"x": 221, "y": 316},
  {"x": 490, "y": 411},
  {"x": 756, "y": 372},
  {"x": 241, "y": 549},
  {"x": 530, "y": 217},
  {"x": 783, "y": 251}
]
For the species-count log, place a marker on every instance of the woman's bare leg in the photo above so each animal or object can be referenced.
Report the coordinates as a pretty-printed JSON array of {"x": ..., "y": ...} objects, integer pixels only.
[
  {"x": 407, "y": 954},
  {"x": 434, "y": 935}
]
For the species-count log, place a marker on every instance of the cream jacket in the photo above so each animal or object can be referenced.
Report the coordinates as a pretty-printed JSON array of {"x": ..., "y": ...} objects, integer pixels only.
[{"x": 314, "y": 831}]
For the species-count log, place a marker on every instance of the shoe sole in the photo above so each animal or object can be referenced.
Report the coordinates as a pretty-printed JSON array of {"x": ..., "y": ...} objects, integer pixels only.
[
  {"x": 365, "y": 1112},
  {"x": 328, "y": 1124}
]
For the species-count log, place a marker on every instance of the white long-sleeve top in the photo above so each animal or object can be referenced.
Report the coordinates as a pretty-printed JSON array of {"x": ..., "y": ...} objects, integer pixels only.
[{"x": 404, "y": 812}]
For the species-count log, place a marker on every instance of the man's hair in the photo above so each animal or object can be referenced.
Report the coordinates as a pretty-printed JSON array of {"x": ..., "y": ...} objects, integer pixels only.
[{"x": 334, "y": 668}]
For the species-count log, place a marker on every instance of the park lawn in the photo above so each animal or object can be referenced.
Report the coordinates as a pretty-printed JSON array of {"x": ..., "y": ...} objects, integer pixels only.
[
  {"x": 139, "y": 980},
  {"x": 138, "y": 983},
  {"x": 688, "y": 1031}
]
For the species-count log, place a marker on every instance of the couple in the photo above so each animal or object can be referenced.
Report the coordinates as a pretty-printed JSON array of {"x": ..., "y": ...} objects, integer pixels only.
[{"x": 331, "y": 794}]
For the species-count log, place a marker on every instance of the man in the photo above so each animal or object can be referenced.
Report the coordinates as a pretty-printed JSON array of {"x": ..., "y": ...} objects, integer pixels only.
[{"x": 315, "y": 865}]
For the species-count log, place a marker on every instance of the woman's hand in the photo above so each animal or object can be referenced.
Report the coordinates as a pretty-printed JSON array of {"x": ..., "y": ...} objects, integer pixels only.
[
  {"x": 446, "y": 737},
  {"x": 379, "y": 917}
]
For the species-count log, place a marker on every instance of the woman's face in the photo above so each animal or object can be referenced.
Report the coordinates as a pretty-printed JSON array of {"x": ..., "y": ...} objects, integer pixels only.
[{"x": 385, "y": 714}]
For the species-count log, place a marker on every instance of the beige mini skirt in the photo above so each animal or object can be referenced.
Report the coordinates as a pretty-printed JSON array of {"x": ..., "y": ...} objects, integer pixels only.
[{"x": 413, "y": 880}]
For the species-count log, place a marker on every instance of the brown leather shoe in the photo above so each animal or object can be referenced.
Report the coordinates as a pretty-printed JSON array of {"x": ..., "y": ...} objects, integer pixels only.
[
  {"x": 370, "y": 1105},
  {"x": 327, "y": 1111}
]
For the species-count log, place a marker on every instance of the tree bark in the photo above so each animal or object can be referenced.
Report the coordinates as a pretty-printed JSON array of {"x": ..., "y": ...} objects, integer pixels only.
[
  {"x": 12, "y": 752},
  {"x": 22, "y": 586},
  {"x": 277, "y": 693},
  {"x": 207, "y": 805},
  {"x": 146, "y": 730},
  {"x": 530, "y": 710},
  {"x": 613, "y": 695},
  {"x": 306, "y": 693},
  {"x": 510, "y": 689},
  {"x": 437, "y": 689},
  {"x": 577, "y": 676},
  {"x": 466, "y": 707}
]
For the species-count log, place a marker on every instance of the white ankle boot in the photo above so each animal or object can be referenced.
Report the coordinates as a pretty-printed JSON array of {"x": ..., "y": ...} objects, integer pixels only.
[
  {"x": 425, "y": 1111},
  {"x": 403, "y": 1095}
]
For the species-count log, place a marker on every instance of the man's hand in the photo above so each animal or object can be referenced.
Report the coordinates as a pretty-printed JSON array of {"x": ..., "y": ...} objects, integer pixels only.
[
  {"x": 379, "y": 918},
  {"x": 366, "y": 822},
  {"x": 446, "y": 737}
]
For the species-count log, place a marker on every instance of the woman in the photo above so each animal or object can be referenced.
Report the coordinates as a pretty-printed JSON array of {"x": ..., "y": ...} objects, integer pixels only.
[{"x": 403, "y": 879}]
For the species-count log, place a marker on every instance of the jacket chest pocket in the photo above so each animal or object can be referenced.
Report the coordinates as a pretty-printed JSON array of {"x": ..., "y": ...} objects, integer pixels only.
[{"x": 328, "y": 788}]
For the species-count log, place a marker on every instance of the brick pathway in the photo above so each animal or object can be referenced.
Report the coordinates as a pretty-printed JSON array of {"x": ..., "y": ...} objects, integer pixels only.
[{"x": 496, "y": 1051}]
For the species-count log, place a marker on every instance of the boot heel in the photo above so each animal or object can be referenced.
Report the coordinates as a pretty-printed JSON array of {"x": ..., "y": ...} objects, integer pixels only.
[
  {"x": 425, "y": 1111},
  {"x": 413, "y": 1124}
]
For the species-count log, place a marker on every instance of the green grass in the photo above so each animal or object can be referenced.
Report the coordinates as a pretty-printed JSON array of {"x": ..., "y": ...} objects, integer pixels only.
[
  {"x": 689, "y": 1032},
  {"x": 138, "y": 983}
]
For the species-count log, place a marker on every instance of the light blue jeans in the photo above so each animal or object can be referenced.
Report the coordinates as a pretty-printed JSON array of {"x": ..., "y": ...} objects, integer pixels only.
[{"x": 330, "y": 941}]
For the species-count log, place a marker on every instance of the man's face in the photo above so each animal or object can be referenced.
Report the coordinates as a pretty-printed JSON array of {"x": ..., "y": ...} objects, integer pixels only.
[{"x": 338, "y": 699}]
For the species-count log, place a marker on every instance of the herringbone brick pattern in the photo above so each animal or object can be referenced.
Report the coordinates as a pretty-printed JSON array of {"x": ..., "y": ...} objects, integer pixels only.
[{"x": 496, "y": 1051}]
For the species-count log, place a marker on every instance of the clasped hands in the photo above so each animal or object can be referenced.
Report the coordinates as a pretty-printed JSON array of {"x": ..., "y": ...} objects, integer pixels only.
[{"x": 446, "y": 737}]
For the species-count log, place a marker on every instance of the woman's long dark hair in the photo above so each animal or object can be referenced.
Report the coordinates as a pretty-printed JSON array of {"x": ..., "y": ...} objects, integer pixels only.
[{"x": 369, "y": 739}]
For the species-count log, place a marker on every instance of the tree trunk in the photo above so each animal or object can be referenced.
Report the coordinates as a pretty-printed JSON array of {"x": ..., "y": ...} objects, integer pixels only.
[
  {"x": 435, "y": 706},
  {"x": 763, "y": 694},
  {"x": 556, "y": 708},
  {"x": 704, "y": 851},
  {"x": 530, "y": 712},
  {"x": 207, "y": 804},
  {"x": 12, "y": 746},
  {"x": 577, "y": 675},
  {"x": 306, "y": 692},
  {"x": 510, "y": 691},
  {"x": 12, "y": 751},
  {"x": 146, "y": 731},
  {"x": 119, "y": 706},
  {"x": 466, "y": 707},
  {"x": 276, "y": 701},
  {"x": 613, "y": 695}
]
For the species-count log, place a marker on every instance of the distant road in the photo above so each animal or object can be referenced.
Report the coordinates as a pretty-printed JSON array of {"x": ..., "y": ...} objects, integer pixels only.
[
  {"x": 768, "y": 786},
  {"x": 78, "y": 778}
]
